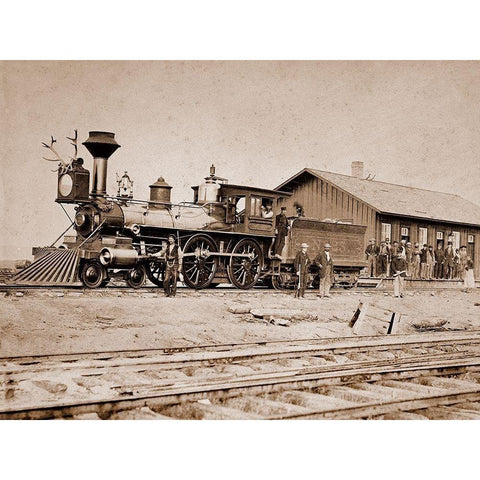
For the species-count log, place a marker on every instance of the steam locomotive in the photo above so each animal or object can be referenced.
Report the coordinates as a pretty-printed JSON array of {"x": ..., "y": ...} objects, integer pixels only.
[{"x": 222, "y": 232}]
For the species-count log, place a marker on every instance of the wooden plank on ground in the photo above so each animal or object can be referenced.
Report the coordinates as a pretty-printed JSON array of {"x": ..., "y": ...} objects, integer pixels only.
[{"x": 359, "y": 314}]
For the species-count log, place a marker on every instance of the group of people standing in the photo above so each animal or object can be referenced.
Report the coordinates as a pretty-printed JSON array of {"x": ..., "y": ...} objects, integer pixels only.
[{"x": 423, "y": 263}]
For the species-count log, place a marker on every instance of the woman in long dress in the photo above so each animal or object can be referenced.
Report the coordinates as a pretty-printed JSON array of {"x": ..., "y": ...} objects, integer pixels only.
[{"x": 469, "y": 280}]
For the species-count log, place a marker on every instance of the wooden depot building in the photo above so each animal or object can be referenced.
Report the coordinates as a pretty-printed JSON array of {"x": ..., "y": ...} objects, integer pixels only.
[{"x": 389, "y": 211}]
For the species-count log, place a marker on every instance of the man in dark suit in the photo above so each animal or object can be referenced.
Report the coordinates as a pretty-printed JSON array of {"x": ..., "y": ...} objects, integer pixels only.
[
  {"x": 449, "y": 261},
  {"x": 301, "y": 264},
  {"x": 440, "y": 258},
  {"x": 281, "y": 231},
  {"x": 324, "y": 262},
  {"x": 173, "y": 263},
  {"x": 423, "y": 262},
  {"x": 399, "y": 271}
]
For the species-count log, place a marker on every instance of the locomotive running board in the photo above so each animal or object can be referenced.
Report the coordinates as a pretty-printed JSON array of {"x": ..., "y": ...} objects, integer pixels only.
[{"x": 57, "y": 267}]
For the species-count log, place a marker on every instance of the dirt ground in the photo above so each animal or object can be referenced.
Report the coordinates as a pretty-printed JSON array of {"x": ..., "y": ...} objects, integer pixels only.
[{"x": 56, "y": 322}]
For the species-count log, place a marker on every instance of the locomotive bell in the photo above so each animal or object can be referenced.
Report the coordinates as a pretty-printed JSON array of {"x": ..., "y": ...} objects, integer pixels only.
[
  {"x": 101, "y": 146},
  {"x": 160, "y": 192}
]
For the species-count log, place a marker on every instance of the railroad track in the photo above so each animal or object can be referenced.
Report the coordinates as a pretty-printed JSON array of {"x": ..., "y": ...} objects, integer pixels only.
[
  {"x": 365, "y": 377},
  {"x": 213, "y": 291}
]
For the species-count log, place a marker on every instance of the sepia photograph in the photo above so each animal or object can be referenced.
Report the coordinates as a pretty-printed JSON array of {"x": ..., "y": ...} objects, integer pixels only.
[
  {"x": 221, "y": 234},
  {"x": 241, "y": 240}
]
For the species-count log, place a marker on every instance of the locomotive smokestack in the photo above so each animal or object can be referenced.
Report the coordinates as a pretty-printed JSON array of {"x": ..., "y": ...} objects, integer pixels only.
[{"x": 101, "y": 145}]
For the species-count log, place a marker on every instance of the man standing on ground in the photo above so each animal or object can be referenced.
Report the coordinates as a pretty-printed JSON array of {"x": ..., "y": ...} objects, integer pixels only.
[
  {"x": 301, "y": 264},
  {"x": 173, "y": 263},
  {"x": 399, "y": 270},
  {"x": 325, "y": 264},
  {"x": 281, "y": 231}
]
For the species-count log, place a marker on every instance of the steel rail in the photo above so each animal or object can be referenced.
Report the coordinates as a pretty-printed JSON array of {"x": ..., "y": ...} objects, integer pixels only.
[
  {"x": 370, "y": 409},
  {"x": 333, "y": 344}
]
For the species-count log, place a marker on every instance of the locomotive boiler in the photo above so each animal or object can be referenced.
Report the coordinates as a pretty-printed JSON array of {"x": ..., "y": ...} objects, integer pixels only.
[{"x": 223, "y": 233}]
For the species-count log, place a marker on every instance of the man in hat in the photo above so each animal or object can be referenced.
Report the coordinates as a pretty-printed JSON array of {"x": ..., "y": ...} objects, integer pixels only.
[
  {"x": 430, "y": 262},
  {"x": 409, "y": 258},
  {"x": 173, "y": 263},
  {"x": 372, "y": 253},
  {"x": 324, "y": 262},
  {"x": 281, "y": 231},
  {"x": 449, "y": 261},
  {"x": 416, "y": 261},
  {"x": 383, "y": 255},
  {"x": 423, "y": 262},
  {"x": 301, "y": 264},
  {"x": 399, "y": 271},
  {"x": 440, "y": 258}
]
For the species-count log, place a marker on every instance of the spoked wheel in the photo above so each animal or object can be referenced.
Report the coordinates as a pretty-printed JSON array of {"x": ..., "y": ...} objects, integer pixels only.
[
  {"x": 244, "y": 271},
  {"x": 156, "y": 272},
  {"x": 93, "y": 274},
  {"x": 136, "y": 277},
  {"x": 199, "y": 266}
]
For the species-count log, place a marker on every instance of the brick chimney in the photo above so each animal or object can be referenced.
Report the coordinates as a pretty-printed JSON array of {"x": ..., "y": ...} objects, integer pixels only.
[{"x": 357, "y": 170}]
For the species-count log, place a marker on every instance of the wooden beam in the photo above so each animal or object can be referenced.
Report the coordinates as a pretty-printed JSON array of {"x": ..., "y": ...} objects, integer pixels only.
[
  {"x": 415, "y": 387},
  {"x": 314, "y": 401}
]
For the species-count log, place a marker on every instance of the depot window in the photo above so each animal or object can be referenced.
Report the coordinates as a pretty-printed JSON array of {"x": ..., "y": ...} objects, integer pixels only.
[
  {"x": 422, "y": 236},
  {"x": 386, "y": 231},
  {"x": 456, "y": 239}
]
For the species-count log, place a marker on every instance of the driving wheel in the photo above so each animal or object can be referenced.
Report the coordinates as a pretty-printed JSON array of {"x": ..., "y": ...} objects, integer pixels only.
[{"x": 244, "y": 270}]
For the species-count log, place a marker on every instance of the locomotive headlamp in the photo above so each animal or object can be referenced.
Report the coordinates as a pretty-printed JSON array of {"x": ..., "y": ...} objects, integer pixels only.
[
  {"x": 72, "y": 183},
  {"x": 65, "y": 185}
]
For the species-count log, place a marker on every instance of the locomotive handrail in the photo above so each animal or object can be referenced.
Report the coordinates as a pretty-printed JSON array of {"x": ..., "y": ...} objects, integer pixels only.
[{"x": 171, "y": 204}]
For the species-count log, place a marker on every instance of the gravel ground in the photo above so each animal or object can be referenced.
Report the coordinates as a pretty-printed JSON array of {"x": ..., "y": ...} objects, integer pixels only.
[{"x": 63, "y": 322}]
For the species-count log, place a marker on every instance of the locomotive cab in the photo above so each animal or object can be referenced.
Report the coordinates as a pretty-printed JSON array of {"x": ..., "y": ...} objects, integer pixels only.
[{"x": 249, "y": 209}]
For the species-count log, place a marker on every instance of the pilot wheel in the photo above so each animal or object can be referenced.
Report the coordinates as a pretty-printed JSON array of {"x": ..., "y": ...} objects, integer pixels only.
[
  {"x": 93, "y": 274},
  {"x": 136, "y": 277}
]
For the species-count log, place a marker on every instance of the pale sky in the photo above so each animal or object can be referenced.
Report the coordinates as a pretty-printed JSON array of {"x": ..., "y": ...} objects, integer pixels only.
[{"x": 412, "y": 123}]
